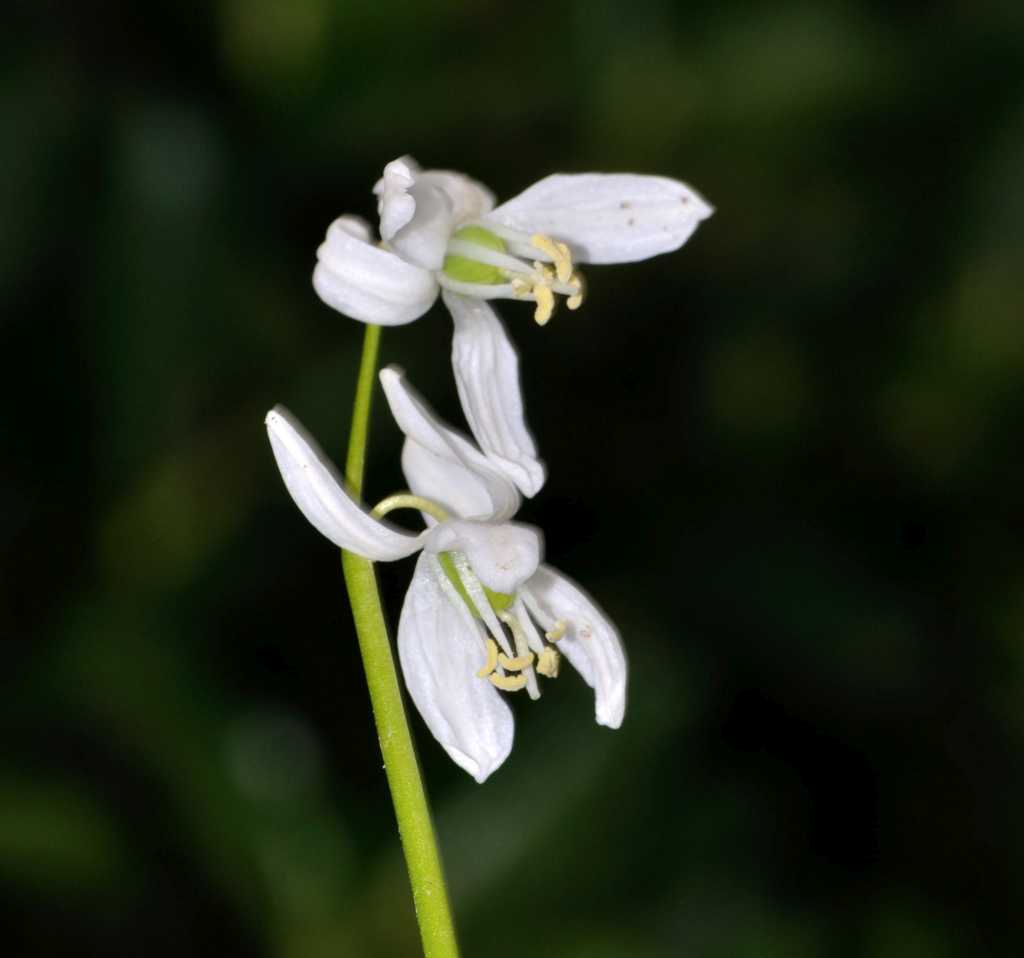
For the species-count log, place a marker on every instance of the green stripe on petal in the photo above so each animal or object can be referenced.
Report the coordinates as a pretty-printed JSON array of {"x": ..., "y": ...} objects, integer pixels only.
[{"x": 499, "y": 600}]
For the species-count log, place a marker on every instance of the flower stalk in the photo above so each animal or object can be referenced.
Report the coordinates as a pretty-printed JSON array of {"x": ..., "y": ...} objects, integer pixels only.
[{"x": 415, "y": 826}]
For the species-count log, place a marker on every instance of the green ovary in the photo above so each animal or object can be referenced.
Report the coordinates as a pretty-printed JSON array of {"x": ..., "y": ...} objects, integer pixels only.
[
  {"x": 467, "y": 270},
  {"x": 499, "y": 600}
]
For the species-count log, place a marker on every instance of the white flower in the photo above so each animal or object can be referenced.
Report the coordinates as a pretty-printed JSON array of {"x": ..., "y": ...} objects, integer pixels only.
[
  {"x": 482, "y": 616},
  {"x": 440, "y": 231}
]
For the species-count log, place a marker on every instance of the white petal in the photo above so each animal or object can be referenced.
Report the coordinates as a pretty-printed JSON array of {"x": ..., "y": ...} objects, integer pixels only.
[
  {"x": 469, "y": 199},
  {"x": 421, "y": 426},
  {"x": 424, "y": 239},
  {"x": 441, "y": 647},
  {"x": 445, "y": 481},
  {"x": 355, "y": 226},
  {"x": 486, "y": 370},
  {"x": 502, "y": 555},
  {"x": 368, "y": 283},
  {"x": 416, "y": 214},
  {"x": 395, "y": 206},
  {"x": 591, "y": 642},
  {"x": 608, "y": 217},
  {"x": 317, "y": 489}
]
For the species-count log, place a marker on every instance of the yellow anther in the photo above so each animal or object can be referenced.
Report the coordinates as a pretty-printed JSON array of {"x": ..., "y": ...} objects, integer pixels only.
[
  {"x": 539, "y": 286},
  {"x": 492, "y": 660},
  {"x": 557, "y": 631},
  {"x": 510, "y": 683},
  {"x": 516, "y": 664},
  {"x": 558, "y": 252},
  {"x": 545, "y": 304},
  {"x": 548, "y": 663},
  {"x": 576, "y": 300}
]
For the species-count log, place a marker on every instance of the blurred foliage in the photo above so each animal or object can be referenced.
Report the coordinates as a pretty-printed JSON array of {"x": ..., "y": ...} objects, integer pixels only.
[{"x": 786, "y": 459}]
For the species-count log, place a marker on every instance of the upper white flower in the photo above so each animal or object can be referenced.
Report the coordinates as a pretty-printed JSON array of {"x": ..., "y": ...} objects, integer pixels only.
[
  {"x": 440, "y": 231},
  {"x": 482, "y": 615}
]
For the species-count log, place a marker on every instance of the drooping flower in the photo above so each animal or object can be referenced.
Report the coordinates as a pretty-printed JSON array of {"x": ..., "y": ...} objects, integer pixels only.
[
  {"x": 483, "y": 616},
  {"x": 440, "y": 231}
]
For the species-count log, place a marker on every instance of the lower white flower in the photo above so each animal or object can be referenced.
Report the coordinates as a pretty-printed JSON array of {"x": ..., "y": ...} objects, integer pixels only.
[
  {"x": 482, "y": 616},
  {"x": 441, "y": 231}
]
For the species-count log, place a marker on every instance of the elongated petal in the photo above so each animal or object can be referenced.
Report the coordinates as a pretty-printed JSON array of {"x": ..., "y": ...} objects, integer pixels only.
[
  {"x": 445, "y": 482},
  {"x": 591, "y": 642},
  {"x": 395, "y": 206},
  {"x": 416, "y": 214},
  {"x": 317, "y": 490},
  {"x": 502, "y": 555},
  {"x": 441, "y": 647},
  {"x": 355, "y": 226},
  {"x": 486, "y": 370},
  {"x": 423, "y": 241},
  {"x": 608, "y": 217},
  {"x": 368, "y": 283},
  {"x": 466, "y": 482},
  {"x": 469, "y": 199}
]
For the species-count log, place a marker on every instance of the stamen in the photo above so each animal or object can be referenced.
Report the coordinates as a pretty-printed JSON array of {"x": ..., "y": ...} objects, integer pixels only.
[
  {"x": 474, "y": 588},
  {"x": 576, "y": 300},
  {"x": 492, "y": 660},
  {"x": 545, "y": 618},
  {"x": 557, "y": 630},
  {"x": 533, "y": 639},
  {"x": 522, "y": 648},
  {"x": 476, "y": 290},
  {"x": 549, "y": 662},
  {"x": 516, "y": 664},
  {"x": 517, "y": 631},
  {"x": 509, "y": 683},
  {"x": 521, "y": 288},
  {"x": 558, "y": 252},
  {"x": 545, "y": 304},
  {"x": 515, "y": 240}
]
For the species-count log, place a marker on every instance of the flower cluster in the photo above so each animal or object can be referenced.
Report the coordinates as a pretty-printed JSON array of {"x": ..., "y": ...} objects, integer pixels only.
[{"x": 483, "y": 615}]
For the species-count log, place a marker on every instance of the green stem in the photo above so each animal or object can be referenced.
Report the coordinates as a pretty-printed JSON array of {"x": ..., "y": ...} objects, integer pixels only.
[{"x": 429, "y": 892}]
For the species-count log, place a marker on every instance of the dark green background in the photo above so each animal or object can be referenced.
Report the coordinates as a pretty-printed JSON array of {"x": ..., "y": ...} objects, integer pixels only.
[{"x": 786, "y": 459}]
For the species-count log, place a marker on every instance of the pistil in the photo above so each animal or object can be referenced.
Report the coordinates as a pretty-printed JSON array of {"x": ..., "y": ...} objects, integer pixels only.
[{"x": 489, "y": 261}]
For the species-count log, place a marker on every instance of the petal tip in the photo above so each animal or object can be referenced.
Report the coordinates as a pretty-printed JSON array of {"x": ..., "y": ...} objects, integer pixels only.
[
  {"x": 704, "y": 208},
  {"x": 527, "y": 473},
  {"x": 481, "y": 774},
  {"x": 537, "y": 475},
  {"x": 483, "y": 767},
  {"x": 391, "y": 375},
  {"x": 610, "y": 717},
  {"x": 278, "y": 420}
]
